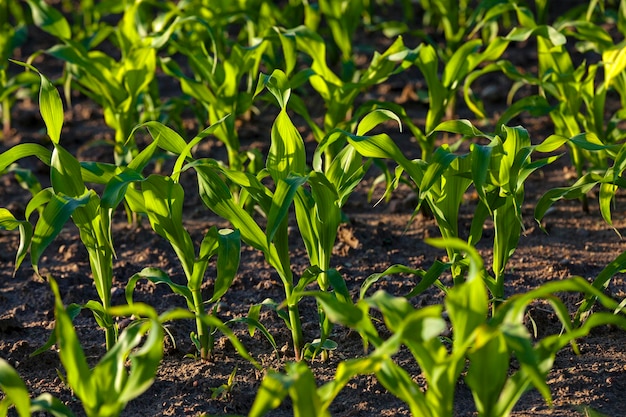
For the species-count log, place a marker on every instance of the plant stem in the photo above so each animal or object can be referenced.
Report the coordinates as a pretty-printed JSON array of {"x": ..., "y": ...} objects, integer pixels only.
[
  {"x": 294, "y": 322},
  {"x": 203, "y": 336}
]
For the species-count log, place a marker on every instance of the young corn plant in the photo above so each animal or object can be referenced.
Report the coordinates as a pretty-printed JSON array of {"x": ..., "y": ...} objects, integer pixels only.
[
  {"x": 461, "y": 21},
  {"x": 339, "y": 95},
  {"x": 608, "y": 182},
  {"x": 343, "y": 19},
  {"x": 68, "y": 198},
  {"x": 536, "y": 104},
  {"x": 105, "y": 389},
  {"x": 318, "y": 208},
  {"x": 318, "y": 201},
  {"x": 121, "y": 375},
  {"x": 498, "y": 172},
  {"x": 444, "y": 87},
  {"x": 13, "y": 33},
  {"x": 121, "y": 86},
  {"x": 580, "y": 91},
  {"x": 487, "y": 342},
  {"x": 286, "y": 167},
  {"x": 223, "y": 85},
  {"x": 163, "y": 199}
]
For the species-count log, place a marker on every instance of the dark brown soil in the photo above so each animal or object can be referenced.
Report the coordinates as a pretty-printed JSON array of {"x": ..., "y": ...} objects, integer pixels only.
[{"x": 578, "y": 244}]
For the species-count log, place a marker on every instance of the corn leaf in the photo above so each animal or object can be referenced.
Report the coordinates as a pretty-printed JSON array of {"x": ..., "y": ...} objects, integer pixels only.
[
  {"x": 164, "y": 205},
  {"x": 284, "y": 195},
  {"x": 143, "y": 362},
  {"x": 66, "y": 174},
  {"x": 228, "y": 255},
  {"x": 286, "y": 154},
  {"x": 51, "y": 109},
  {"x": 9, "y": 222},
  {"x": 157, "y": 276},
  {"x": 487, "y": 373},
  {"x": 49, "y": 19},
  {"x": 15, "y": 390},
  {"x": 47, "y": 403},
  {"x": 71, "y": 353},
  {"x": 52, "y": 220},
  {"x": 23, "y": 150}
]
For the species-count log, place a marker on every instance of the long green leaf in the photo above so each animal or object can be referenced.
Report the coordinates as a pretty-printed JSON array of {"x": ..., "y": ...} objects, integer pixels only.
[
  {"x": 9, "y": 222},
  {"x": 23, "y": 150},
  {"x": 14, "y": 388},
  {"x": 65, "y": 173},
  {"x": 49, "y": 19},
  {"x": 157, "y": 276},
  {"x": 52, "y": 220},
  {"x": 71, "y": 353},
  {"x": 228, "y": 256},
  {"x": 164, "y": 205}
]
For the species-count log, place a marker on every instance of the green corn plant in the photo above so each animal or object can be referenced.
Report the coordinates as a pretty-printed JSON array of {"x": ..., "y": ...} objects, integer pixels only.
[
  {"x": 67, "y": 198},
  {"x": 318, "y": 204},
  {"x": 579, "y": 91},
  {"x": 13, "y": 33},
  {"x": 498, "y": 172},
  {"x": 608, "y": 182},
  {"x": 16, "y": 395},
  {"x": 242, "y": 22},
  {"x": 535, "y": 104},
  {"x": 222, "y": 84},
  {"x": 444, "y": 87},
  {"x": 487, "y": 342},
  {"x": 121, "y": 86},
  {"x": 318, "y": 211},
  {"x": 89, "y": 19},
  {"x": 161, "y": 199},
  {"x": 121, "y": 375},
  {"x": 452, "y": 17},
  {"x": 299, "y": 383},
  {"x": 343, "y": 19},
  {"x": 105, "y": 389},
  {"x": 164, "y": 206},
  {"x": 339, "y": 95},
  {"x": 286, "y": 166}
]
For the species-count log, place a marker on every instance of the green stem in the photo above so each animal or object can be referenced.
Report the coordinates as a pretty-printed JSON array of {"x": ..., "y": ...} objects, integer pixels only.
[
  {"x": 6, "y": 118},
  {"x": 295, "y": 323},
  {"x": 206, "y": 345},
  {"x": 6, "y": 108}
]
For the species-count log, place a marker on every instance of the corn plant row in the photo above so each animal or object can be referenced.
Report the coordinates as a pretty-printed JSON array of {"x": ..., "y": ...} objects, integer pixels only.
[{"x": 275, "y": 61}]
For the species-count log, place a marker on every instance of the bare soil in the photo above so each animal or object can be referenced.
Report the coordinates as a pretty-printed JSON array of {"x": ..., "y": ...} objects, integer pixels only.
[{"x": 577, "y": 243}]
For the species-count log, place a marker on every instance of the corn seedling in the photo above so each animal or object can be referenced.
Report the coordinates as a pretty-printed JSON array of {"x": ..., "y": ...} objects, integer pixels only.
[
  {"x": 579, "y": 90},
  {"x": 117, "y": 85},
  {"x": 343, "y": 19},
  {"x": 498, "y": 172},
  {"x": 460, "y": 22},
  {"x": 67, "y": 198},
  {"x": 161, "y": 198},
  {"x": 488, "y": 343},
  {"x": 339, "y": 95},
  {"x": 286, "y": 158},
  {"x": 105, "y": 389},
  {"x": 164, "y": 205},
  {"x": 13, "y": 33},
  {"x": 217, "y": 81}
]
